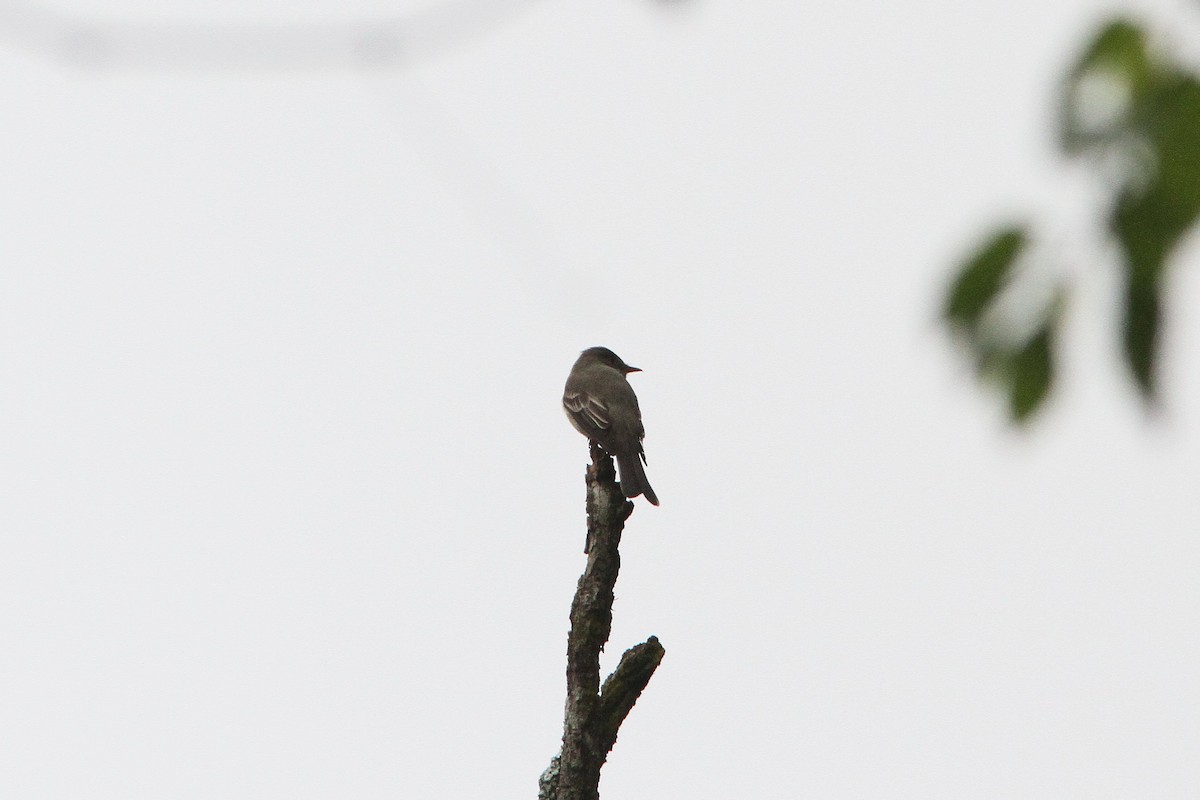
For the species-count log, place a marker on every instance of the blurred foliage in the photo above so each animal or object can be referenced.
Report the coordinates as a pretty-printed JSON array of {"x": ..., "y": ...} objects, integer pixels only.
[
  {"x": 1014, "y": 352},
  {"x": 1132, "y": 114},
  {"x": 982, "y": 277}
]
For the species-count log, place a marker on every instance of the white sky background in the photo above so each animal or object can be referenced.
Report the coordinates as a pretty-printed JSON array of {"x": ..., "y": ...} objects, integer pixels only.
[{"x": 288, "y": 504}]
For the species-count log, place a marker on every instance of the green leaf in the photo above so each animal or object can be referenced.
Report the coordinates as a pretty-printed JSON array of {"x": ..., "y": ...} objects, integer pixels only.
[
  {"x": 1146, "y": 225},
  {"x": 1031, "y": 372},
  {"x": 1109, "y": 79},
  {"x": 981, "y": 277},
  {"x": 1140, "y": 328},
  {"x": 1120, "y": 45},
  {"x": 1148, "y": 221},
  {"x": 1171, "y": 122}
]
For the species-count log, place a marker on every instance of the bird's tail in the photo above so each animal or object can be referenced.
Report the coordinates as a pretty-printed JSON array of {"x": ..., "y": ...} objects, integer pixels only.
[{"x": 633, "y": 478}]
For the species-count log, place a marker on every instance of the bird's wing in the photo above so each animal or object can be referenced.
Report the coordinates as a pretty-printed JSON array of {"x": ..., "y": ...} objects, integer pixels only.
[{"x": 588, "y": 407}]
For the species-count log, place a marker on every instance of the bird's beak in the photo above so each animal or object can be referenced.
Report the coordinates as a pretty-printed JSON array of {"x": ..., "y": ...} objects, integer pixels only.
[{"x": 629, "y": 369}]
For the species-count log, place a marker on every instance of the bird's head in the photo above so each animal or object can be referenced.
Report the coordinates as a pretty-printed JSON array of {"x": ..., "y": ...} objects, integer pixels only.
[{"x": 610, "y": 359}]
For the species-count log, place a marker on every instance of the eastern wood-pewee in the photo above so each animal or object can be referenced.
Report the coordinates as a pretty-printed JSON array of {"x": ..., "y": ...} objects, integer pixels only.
[{"x": 602, "y": 406}]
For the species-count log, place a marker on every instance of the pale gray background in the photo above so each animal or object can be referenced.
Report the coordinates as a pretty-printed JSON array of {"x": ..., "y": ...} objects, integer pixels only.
[{"x": 288, "y": 506}]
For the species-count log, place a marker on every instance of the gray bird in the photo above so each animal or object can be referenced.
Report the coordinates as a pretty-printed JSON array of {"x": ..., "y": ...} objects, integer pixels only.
[{"x": 602, "y": 406}]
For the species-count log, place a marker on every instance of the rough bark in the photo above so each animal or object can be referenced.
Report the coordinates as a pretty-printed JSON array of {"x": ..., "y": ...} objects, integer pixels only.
[{"x": 594, "y": 715}]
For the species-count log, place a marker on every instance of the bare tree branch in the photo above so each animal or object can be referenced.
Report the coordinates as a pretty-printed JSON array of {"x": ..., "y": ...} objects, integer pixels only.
[
  {"x": 593, "y": 716},
  {"x": 622, "y": 689}
]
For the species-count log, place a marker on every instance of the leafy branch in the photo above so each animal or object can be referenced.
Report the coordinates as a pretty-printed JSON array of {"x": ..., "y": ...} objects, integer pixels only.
[{"x": 1131, "y": 113}]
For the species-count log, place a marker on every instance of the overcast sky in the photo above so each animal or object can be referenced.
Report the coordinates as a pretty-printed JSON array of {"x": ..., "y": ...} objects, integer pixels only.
[{"x": 288, "y": 505}]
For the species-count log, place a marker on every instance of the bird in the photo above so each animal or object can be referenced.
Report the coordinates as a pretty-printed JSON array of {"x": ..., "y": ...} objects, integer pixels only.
[{"x": 601, "y": 405}]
